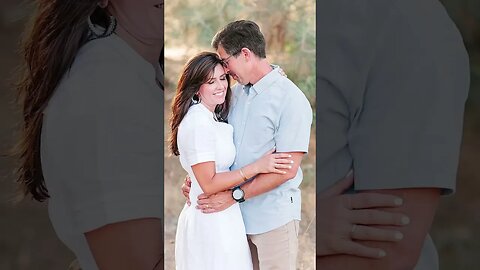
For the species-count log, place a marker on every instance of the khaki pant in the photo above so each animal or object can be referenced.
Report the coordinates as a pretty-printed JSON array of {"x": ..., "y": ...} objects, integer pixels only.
[{"x": 276, "y": 249}]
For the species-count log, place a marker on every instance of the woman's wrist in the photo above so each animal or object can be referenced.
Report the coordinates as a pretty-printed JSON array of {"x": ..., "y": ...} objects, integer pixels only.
[
  {"x": 250, "y": 170},
  {"x": 244, "y": 177}
]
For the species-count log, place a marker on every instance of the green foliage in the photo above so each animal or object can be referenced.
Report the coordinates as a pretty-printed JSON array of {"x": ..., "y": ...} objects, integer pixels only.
[{"x": 288, "y": 26}]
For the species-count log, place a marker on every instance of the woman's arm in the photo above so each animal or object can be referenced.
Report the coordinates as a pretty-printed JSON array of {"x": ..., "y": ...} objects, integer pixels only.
[
  {"x": 133, "y": 244},
  {"x": 212, "y": 182}
]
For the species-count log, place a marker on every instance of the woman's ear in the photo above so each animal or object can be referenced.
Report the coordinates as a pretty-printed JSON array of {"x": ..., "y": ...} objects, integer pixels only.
[{"x": 103, "y": 3}]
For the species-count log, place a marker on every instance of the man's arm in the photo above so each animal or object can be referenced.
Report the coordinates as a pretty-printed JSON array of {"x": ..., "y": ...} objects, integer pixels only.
[
  {"x": 420, "y": 205},
  {"x": 132, "y": 244},
  {"x": 261, "y": 184},
  {"x": 268, "y": 181}
]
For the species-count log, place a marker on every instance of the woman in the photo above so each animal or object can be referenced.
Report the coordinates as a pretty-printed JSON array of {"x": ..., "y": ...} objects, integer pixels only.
[
  {"x": 203, "y": 139},
  {"x": 92, "y": 137}
]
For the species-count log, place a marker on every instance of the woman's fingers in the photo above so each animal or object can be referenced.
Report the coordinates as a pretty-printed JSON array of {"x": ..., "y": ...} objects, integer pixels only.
[
  {"x": 281, "y": 155},
  {"x": 378, "y": 217},
  {"x": 283, "y": 166},
  {"x": 283, "y": 161},
  {"x": 356, "y": 249},
  {"x": 372, "y": 200},
  {"x": 279, "y": 171},
  {"x": 375, "y": 234}
]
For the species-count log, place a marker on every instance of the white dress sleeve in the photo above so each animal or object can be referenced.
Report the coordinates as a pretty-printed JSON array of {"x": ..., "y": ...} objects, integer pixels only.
[{"x": 199, "y": 142}]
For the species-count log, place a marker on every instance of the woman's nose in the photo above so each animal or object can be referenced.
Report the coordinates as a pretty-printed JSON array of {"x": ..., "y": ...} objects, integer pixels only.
[{"x": 220, "y": 85}]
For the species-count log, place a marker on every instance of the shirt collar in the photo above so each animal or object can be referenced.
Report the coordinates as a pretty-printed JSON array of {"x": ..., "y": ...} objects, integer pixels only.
[{"x": 265, "y": 82}]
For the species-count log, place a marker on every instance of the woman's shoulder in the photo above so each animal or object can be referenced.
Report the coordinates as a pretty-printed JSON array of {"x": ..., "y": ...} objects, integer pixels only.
[
  {"x": 96, "y": 57},
  {"x": 99, "y": 76},
  {"x": 197, "y": 117}
]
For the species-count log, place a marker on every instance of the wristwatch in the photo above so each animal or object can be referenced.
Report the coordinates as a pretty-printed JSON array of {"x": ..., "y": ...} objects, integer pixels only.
[{"x": 238, "y": 194}]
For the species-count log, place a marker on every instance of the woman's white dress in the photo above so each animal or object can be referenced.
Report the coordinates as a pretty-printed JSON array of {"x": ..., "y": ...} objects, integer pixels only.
[{"x": 215, "y": 241}]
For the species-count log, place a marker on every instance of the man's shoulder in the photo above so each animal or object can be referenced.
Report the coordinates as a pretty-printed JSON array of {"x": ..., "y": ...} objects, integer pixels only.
[{"x": 287, "y": 88}]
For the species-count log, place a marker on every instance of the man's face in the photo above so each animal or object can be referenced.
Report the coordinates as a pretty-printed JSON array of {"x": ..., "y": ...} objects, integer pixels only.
[{"x": 234, "y": 65}]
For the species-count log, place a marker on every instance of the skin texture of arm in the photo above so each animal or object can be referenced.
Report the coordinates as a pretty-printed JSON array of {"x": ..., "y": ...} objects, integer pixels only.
[
  {"x": 420, "y": 205},
  {"x": 261, "y": 184},
  {"x": 212, "y": 182},
  {"x": 133, "y": 244},
  {"x": 266, "y": 182}
]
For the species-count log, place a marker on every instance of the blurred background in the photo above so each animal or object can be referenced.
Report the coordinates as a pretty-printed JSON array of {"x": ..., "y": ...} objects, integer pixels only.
[
  {"x": 27, "y": 240},
  {"x": 289, "y": 30}
]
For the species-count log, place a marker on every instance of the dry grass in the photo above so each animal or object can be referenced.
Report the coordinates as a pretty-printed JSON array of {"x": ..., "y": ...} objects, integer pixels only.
[{"x": 174, "y": 200}]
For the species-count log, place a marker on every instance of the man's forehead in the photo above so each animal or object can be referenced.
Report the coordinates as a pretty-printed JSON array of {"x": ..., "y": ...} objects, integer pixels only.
[{"x": 221, "y": 51}]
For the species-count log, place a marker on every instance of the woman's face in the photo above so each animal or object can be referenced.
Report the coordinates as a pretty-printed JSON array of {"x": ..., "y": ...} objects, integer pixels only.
[
  {"x": 143, "y": 19},
  {"x": 213, "y": 92}
]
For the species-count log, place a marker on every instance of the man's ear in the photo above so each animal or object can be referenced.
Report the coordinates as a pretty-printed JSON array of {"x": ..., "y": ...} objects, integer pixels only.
[{"x": 246, "y": 53}]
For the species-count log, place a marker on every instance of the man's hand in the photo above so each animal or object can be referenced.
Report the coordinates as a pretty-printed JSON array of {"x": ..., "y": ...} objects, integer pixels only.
[
  {"x": 344, "y": 218},
  {"x": 216, "y": 202},
  {"x": 186, "y": 189}
]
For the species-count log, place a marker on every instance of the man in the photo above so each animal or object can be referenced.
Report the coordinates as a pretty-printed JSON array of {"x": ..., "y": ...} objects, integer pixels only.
[
  {"x": 392, "y": 84},
  {"x": 268, "y": 110}
]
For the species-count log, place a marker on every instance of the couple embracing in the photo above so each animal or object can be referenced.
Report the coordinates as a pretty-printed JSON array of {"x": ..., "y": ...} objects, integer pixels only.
[{"x": 242, "y": 149}]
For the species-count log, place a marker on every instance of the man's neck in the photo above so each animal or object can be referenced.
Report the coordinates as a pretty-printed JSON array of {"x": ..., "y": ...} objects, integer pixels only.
[{"x": 260, "y": 69}]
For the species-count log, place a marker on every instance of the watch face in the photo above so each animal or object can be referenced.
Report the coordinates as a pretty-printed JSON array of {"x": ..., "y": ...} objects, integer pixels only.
[{"x": 237, "y": 194}]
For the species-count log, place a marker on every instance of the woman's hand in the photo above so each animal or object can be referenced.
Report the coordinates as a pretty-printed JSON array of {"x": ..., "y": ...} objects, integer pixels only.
[
  {"x": 272, "y": 163},
  {"x": 344, "y": 218}
]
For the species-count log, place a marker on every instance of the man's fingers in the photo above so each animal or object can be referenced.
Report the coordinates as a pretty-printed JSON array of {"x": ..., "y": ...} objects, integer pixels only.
[
  {"x": 373, "y": 200},
  {"x": 203, "y": 201},
  {"x": 185, "y": 188},
  {"x": 356, "y": 249},
  {"x": 188, "y": 181},
  {"x": 210, "y": 210},
  {"x": 375, "y": 234},
  {"x": 378, "y": 217},
  {"x": 202, "y": 196},
  {"x": 207, "y": 207}
]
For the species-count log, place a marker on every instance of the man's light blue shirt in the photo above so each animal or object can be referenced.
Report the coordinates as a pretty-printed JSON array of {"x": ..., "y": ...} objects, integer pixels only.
[{"x": 273, "y": 112}]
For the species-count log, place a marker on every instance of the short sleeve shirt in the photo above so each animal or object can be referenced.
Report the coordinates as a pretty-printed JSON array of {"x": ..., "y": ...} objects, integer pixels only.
[
  {"x": 273, "y": 112},
  {"x": 102, "y": 144},
  {"x": 392, "y": 80}
]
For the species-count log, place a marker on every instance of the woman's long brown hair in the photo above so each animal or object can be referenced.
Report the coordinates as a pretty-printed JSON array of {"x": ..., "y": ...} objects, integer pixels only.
[
  {"x": 58, "y": 30},
  {"x": 196, "y": 72}
]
